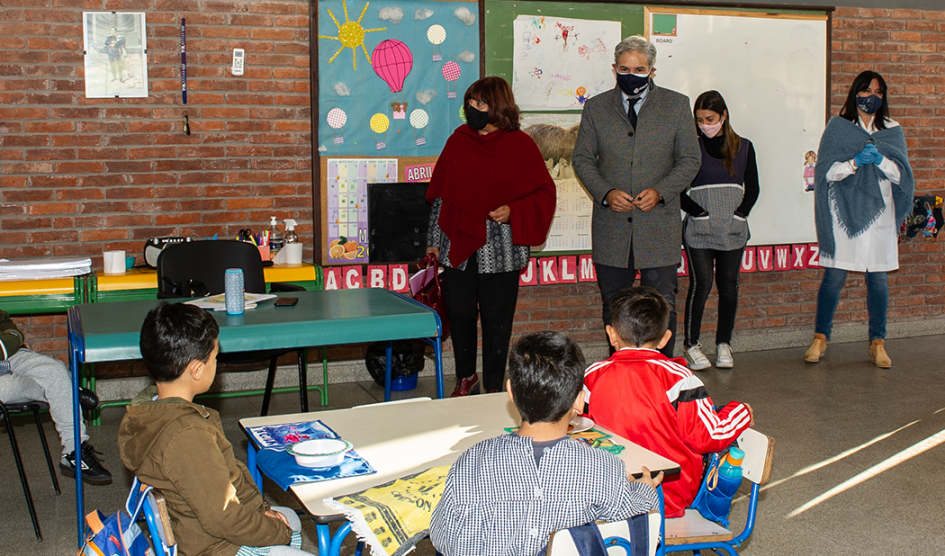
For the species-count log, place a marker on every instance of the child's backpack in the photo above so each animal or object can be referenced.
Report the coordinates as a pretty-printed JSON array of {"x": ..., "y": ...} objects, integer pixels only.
[{"x": 118, "y": 534}]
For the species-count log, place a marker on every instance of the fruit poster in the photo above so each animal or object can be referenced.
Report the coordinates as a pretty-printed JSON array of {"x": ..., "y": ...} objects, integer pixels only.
[{"x": 347, "y": 183}]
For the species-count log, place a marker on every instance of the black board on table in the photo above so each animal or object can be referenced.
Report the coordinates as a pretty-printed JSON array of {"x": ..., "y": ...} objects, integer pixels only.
[{"x": 398, "y": 216}]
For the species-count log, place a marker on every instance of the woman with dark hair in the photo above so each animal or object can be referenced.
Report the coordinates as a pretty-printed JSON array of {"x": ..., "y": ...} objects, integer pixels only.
[
  {"x": 863, "y": 191},
  {"x": 492, "y": 198},
  {"x": 716, "y": 228}
]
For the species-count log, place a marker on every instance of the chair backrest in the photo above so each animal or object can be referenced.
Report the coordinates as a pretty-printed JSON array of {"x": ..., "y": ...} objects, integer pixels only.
[
  {"x": 759, "y": 454},
  {"x": 615, "y": 534},
  {"x": 206, "y": 262},
  {"x": 158, "y": 520}
]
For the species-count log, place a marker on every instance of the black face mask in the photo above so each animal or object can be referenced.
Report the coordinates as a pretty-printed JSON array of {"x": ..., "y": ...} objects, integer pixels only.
[
  {"x": 869, "y": 104},
  {"x": 632, "y": 84},
  {"x": 476, "y": 119}
]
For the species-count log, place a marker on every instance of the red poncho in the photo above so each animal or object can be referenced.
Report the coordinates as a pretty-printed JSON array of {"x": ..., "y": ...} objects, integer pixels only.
[{"x": 477, "y": 174}]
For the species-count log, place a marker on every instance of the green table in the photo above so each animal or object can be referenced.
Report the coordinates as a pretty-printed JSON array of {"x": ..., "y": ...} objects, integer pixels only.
[{"x": 103, "y": 332}]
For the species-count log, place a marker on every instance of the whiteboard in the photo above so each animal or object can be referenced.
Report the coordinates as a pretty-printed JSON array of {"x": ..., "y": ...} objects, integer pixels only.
[{"x": 772, "y": 71}]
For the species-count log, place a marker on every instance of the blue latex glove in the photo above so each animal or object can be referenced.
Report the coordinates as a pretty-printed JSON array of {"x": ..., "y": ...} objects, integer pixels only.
[
  {"x": 877, "y": 157},
  {"x": 865, "y": 157}
]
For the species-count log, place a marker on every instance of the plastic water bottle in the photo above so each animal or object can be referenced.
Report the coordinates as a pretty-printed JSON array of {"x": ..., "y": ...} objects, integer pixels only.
[
  {"x": 275, "y": 237},
  {"x": 730, "y": 478},
  {"x": 290, "y": 235},
  {"x": 233, "y": 291}
]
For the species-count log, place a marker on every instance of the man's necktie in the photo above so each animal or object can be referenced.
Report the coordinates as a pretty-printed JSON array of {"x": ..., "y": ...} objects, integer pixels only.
[{"x": 631, "y": 113}]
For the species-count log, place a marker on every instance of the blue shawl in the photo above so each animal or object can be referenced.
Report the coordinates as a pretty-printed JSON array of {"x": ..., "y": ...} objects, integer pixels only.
[{"x": 858, "y": 198}]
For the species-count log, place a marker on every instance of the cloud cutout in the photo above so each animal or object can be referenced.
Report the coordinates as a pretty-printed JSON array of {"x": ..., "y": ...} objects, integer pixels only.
[
  {"x": 425, "y": 97},
  {"x": 322, "y": 148},
  {"x": 422, "y": 13},
  {"x": 466, "y": 56},
  {"x": 341, "y": 89},
  {"x": 394, "y": 15},
  {"x": 464, "y": 15}
]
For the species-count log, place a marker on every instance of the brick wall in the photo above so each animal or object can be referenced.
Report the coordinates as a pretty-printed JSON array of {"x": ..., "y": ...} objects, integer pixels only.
[{"x": 81, "y": 175}]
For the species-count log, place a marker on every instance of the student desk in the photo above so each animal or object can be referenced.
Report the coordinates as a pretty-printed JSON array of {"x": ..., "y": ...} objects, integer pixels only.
[
  {"x": 51, "y": 295},
  {"x": 141, "y": 283},
  {"x": 402, "y": 438},
  {"x": 102, "y": 332}
]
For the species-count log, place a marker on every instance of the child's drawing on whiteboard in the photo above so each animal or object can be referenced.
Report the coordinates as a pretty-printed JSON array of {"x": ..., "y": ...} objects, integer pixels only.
[
  {"x": 810, "y": 163},
  {"x": 587, "y": 50},
  {"x": 581, "y": 91},
  {"x": 564, "y": 31}
]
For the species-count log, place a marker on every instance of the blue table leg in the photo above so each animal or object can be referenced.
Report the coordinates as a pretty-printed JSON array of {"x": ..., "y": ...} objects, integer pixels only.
[
  {"x": 340, "y": 534},
  {"x": 253, "y": 468},
  {"x": 387, "y": 377},
  {"x": 438, "y": 362},
  {"x": 661, "y": 548},
  {"x": 324, "y": 538},
  {"x": 76, "y": 420}
]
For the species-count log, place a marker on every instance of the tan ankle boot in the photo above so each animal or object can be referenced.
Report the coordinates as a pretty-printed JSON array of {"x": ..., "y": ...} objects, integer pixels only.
[
  {"x": 817, "y": 349},
  {"x": 878, "y": 354}
]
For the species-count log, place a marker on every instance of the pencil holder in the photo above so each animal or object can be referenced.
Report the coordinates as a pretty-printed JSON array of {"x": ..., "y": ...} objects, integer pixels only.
[{"x": 233, "y": 284}]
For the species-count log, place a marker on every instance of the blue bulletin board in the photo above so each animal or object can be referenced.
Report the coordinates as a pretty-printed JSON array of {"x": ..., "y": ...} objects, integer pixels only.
[{"x": 392, "y": 75}]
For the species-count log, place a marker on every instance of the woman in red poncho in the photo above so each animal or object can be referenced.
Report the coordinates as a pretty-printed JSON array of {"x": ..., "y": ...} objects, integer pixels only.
[{"x": 492, "y": 198}]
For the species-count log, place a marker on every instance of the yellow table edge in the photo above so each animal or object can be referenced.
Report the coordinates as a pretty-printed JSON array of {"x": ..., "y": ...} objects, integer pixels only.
[
  {"x": 145, "y": 279},
  {"x": 45, "y": 286}
]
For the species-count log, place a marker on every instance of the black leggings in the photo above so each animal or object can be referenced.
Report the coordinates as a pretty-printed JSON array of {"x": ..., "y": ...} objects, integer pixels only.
[
  {"x": 727, "y": 267},
  {"x": 471, "y": 296}
]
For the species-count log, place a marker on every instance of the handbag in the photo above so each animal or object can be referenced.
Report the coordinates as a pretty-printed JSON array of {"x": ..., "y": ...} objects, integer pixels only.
[
  {"x": 430, "y": 293},
  {"x": 118, "y": 534}
]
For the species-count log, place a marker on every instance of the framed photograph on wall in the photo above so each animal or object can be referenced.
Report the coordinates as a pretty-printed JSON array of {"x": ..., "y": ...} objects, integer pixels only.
[{"x": 116, "y": 54}]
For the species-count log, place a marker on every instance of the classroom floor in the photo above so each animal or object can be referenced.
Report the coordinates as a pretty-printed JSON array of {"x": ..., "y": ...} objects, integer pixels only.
[{"x": 857, "y": 465}]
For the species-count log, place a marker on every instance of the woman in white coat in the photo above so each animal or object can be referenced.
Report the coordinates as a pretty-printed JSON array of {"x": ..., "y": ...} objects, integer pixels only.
[{"x": 863, "y": 191}]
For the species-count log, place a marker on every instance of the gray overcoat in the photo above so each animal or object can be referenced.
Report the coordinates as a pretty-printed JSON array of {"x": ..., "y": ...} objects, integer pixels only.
[{"x": 667, "y": 159}]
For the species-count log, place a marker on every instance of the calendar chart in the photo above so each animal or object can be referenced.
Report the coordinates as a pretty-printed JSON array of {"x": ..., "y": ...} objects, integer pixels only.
[{"x": 347, "y": 183}]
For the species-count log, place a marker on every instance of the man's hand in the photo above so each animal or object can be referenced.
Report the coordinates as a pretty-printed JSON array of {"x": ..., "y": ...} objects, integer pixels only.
[
  {"x": 619, "y": 201},
  {"x": 648, "y": 478},
  {"x": 501, "y": 214},
  {"x": 751, "y": 413},
  {"x": 276, "y": 515},
  {"x": 647, "y": 199},
  {"x": 435, "y": 251}
]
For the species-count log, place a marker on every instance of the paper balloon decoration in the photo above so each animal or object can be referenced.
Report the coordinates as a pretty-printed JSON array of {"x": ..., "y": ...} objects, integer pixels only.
[
  {"x": 451, "y": 73},
  {"x": 337, "y": 118},
  {"x": 392, "y": 61},
  {"x": 462, "y": 113},
  {"x": 419, "y": 118},
  {"x": 379, "y": 123},
  {"x": 436, "y": 34}
]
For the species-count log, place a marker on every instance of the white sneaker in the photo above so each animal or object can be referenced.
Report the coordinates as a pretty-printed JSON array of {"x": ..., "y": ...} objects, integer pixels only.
[
  {"x": 697, "y": 360},
  {"x": 723, "y": 357}
]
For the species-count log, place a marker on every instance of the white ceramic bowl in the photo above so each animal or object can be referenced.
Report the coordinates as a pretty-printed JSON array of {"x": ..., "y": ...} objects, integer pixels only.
[{"x": 322, "y": 452}]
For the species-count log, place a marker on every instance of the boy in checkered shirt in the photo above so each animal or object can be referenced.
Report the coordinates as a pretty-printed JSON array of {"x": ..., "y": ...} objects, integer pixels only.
[{"x": 506, "y": 495}]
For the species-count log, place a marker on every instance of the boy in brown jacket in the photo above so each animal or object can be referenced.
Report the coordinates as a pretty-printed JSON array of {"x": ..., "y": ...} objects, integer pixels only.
[{"x": 178, "y": 446}]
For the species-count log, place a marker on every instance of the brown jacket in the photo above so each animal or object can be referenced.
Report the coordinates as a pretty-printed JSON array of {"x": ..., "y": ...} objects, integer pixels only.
[{"x": 179, "y": 448}]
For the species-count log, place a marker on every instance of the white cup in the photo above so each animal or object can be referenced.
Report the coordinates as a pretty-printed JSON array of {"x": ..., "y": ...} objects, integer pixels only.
[
  {"x": 293, "y": 253},
  {"x": 114, "y": 262}
]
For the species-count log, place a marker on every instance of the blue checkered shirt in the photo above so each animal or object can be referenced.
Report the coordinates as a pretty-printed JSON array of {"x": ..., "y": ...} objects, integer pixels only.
[{"x": 497, "y": 502}]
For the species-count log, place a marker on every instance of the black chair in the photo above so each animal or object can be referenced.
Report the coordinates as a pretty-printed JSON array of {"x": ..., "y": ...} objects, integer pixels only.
[
  {"x": 198, "y": 268},
  {"x": 35, "y": 408}
]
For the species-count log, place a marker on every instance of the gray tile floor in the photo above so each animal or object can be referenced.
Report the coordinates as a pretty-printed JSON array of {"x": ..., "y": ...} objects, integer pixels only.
[{"x": 859, "y": 445}]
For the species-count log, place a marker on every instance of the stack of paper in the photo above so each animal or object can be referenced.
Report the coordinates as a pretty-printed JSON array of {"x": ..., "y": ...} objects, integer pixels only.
[
  {"x": 46, "y": 267},
  {"x": 218, "y": 302}
]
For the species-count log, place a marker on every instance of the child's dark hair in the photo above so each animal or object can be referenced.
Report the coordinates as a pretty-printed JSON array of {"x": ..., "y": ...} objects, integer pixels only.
[
  {"x": 546, "y": 370},
  {"x": 640, "y": 316},
  {"x": 173, "y": 335}
]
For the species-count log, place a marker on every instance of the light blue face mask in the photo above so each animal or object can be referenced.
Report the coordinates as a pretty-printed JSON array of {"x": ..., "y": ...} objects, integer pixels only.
[{"x": 869, "y": 104}]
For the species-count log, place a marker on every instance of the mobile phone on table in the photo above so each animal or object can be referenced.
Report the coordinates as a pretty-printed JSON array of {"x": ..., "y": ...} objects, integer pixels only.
[{"x": 286, "y": 301}]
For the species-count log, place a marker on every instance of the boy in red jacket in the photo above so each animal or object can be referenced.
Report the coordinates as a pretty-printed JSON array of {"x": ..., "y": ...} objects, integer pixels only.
[{"x": 657, "y": 402}]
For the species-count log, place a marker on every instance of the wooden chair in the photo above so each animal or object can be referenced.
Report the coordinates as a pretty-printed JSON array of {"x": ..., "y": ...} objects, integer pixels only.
[
  {"x": 614, "y": 534},
  {"x": 692, "y": 532}
]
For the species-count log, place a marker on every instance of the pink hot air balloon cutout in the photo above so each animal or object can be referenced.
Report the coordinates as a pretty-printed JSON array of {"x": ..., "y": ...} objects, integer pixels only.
[
  {"x": 451, "y": 73},
  {"x": 392, "y": 61}
]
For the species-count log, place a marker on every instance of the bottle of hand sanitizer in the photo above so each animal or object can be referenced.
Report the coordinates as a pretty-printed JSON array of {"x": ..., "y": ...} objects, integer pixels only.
[
  {"x": 290, "y": 235},
  {"x": 275, "y": 237}
]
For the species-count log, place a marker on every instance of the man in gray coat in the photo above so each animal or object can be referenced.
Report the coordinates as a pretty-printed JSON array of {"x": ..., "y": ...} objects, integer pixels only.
[{"x": 636, "y": 151}]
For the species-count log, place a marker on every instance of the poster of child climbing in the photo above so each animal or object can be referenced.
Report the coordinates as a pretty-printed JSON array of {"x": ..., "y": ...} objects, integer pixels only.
[
  {"x": 392, "y": 74},
  {"x": 559, "y": 63}
]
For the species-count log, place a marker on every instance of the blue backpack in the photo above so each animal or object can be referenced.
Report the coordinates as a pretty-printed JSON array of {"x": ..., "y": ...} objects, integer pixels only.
[{"x": 118, "y": 534}]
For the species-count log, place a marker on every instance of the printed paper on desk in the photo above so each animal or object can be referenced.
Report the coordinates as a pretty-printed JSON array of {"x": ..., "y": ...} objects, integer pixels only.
[
  {"x": 218, "y": 302},
  {"x": 279, "y": 436},
  {"x": 421, "y": 278}
]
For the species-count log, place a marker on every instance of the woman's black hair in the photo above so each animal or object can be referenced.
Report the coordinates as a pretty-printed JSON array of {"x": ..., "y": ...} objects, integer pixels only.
[{"x": 861, "y": 83}]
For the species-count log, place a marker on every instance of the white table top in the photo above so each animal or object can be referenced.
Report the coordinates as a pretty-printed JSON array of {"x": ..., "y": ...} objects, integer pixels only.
[{"x": 401, "y": 438}]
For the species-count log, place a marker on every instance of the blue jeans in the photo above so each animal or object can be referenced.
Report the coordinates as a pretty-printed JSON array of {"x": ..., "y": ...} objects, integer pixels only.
[{"x": 877, "y": 301}]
